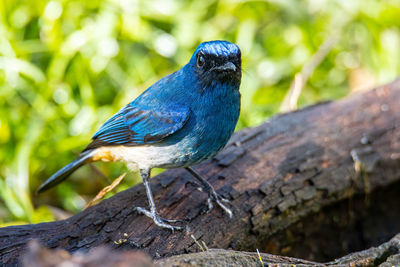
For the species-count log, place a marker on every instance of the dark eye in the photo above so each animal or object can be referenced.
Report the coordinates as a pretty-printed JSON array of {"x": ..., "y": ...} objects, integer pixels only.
[{"x": 200, "y": 60}]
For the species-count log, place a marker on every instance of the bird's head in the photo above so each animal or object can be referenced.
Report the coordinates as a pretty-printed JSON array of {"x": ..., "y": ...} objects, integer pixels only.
[{"x": 217, "y": 62}]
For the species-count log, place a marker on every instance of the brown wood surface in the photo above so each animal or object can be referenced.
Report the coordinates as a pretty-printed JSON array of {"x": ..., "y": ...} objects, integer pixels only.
[
  {"x": 387, "y": 254},
  {"x": 277, "y": 176}
]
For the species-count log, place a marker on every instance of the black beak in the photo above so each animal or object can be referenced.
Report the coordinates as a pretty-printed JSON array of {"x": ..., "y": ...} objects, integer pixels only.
[{"x": 228, "y": 67}]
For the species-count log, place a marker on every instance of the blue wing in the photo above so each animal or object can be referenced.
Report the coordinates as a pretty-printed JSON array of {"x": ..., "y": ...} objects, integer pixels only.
[{"x": 134, "y": 126}]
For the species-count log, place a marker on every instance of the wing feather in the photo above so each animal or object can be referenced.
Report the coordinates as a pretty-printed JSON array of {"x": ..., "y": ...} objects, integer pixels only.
[{"x": 133, "y": 126}]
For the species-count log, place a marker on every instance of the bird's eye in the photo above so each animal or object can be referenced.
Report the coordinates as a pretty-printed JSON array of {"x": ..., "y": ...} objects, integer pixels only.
[{"x": 200, "y": 60}]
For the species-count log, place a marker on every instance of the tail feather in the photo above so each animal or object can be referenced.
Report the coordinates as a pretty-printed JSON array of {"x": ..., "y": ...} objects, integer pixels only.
[{"x": 63, "y": 173}]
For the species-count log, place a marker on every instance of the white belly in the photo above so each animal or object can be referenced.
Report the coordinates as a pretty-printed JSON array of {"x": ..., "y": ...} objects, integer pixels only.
[{"x": 142, "y": 157}]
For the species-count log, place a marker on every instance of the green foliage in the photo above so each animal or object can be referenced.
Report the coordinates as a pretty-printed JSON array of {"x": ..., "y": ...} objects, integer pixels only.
[{"x": 66, "y": 66}]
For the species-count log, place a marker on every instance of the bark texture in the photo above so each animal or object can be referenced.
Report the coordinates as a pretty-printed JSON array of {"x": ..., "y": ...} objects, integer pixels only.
[
  {"x": 304, "y": 184},
  {"x": 387, "y": 254}
]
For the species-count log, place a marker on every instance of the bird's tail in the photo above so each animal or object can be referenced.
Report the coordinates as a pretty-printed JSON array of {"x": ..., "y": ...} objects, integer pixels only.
[{"x": 63, "y": 173}]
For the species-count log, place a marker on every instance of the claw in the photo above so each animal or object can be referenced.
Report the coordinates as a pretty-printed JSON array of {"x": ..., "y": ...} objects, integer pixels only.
[
  {"x": 170, "y": 221},
  {"x": 212, "y": 195},
  {"x": 224, "y": 200},
  {"x": 161, "y": 222},
  {"x": 152, "y": 213},
  {"x": 210, "y": 204},
  {"x": 218, "y": 199},
  {"x": 226, "y": 209}
]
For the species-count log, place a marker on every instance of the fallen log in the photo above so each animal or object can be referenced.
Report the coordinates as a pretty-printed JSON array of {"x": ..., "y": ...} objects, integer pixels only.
[
  {"x": 387, "y": 254},
  {"x": 292, "y": 181}
]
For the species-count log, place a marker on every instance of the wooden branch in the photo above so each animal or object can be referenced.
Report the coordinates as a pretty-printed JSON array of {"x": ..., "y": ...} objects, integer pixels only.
[
  {"x": 388, "y": 253},
  {"x": 37, "y": 255},
  {"x": 294, "y": 168}
]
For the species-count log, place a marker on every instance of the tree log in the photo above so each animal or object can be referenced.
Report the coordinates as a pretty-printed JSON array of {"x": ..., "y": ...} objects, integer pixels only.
[
  {"x": 387, "y": 254},
  {"x": 292, "y": 181}
]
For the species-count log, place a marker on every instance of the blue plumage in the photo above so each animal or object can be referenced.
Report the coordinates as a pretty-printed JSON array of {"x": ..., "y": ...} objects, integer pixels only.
[
  {"x": 134, "y": 126},
  {"x": 184, "y": 118}
]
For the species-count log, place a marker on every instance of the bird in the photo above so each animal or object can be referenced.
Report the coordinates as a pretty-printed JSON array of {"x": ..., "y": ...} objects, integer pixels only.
[{"x": 181, "y": 120}]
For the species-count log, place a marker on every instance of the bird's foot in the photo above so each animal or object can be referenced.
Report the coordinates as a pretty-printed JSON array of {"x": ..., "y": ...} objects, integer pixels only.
[
  {"x": 213, "y": 196},
  {"x": 209, "y": 189},
  {"x": 159, "y": 221}
]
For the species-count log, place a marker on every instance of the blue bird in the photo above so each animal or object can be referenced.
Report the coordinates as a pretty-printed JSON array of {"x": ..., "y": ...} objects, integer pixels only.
[{"x": 181, "y": 120}]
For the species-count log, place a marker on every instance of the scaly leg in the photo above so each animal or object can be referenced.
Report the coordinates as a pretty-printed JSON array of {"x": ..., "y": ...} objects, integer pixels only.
[
  {"x": 152, "y": 213},
  {"x": 212, "y": 195}
]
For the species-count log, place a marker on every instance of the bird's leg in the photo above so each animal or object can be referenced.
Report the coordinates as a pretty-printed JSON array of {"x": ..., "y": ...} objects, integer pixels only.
[
  {"x": 212, "y": 195},
  {"x": 152, "y": 213}
]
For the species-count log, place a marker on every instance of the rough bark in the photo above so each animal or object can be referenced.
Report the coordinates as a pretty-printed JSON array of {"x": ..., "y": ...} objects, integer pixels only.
[
  {"x": 387, "y": 254},
  {"x": 289, "y": 180}
]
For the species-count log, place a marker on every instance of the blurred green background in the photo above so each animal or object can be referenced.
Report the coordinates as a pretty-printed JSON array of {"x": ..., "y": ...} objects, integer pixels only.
[{"x": 68, "y": 65}]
